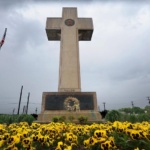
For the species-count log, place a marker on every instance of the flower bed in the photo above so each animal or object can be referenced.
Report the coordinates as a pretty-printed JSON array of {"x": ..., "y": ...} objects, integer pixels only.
[{"x": 68, "y": 136}]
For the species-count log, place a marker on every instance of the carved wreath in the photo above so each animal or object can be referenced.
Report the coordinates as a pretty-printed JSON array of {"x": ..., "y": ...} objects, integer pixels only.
[{"x": 74, "y": 107}]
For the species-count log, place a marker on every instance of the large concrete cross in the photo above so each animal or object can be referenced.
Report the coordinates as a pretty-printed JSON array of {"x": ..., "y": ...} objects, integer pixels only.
[{"x": 69, "y": 29}]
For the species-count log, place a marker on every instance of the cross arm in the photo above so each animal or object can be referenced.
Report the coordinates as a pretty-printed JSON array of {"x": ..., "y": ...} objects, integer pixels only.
[
  {"x": 85, "y": 29},
  {"x": 53, "y": 29}
]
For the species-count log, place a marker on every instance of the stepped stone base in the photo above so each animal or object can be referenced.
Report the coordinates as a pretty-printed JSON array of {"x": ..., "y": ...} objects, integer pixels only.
[
  {"x": 68, "y": 104},
  {"x": 90, "y": 114}
]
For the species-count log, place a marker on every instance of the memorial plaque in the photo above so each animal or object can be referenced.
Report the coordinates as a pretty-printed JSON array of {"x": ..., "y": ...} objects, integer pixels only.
[{"x": 57, "y": 102}]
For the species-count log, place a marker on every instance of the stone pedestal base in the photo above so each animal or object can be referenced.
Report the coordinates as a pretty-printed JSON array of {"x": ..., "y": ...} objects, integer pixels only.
[
  {"x": 48, "y": 116},
  {"x": 69, "y": 104}
]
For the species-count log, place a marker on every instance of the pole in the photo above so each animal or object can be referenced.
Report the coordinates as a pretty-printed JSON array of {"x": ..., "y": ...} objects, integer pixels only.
[
  {"x": 148, "y": 100},
  {"x": 13, "y": 111},
  {"x": 132, "y": 104},
  {"x": 20, "y": 99},
  {"x": 104, "y": 105},
  {"x": 24, "y": 108},
  {"x": 36, "y": 110},
  {"x": 27, "y": 103}
]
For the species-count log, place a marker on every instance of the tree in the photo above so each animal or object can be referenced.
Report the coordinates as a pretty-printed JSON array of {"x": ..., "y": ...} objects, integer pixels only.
[
  {"x": 126, "y": 110},
  {"x": 147, "y": 109},
  {"x": 138, "y": 110},
  {"x": 113, "y": 115}
]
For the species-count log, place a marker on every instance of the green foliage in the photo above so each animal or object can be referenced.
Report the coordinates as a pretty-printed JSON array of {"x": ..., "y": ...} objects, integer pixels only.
[
  {"x": 143, "y": 117},
  {"x": 20, "y": 118},
  {"x": 8, "y": 119},
  {"x": 96, "y": 147},
  {"x": 121, "y": 140},
  {"x": 28, "y": 118},
  {"x": 82, "y": 119},
  {"x": 124, "y": 117},
  {"x": 138, "y": 110},
  {"x": 55, "y": 119},
  {"x": 113, "y": 115},
  {"x": 137, "y": 115},
  {"x": 126, "y": 110},
  {"x": 133, "y": 118},
  {"x": 124, "y": 142},
  {"x": 147, "y": 109},
  {"x": 62, "y": 118},
  {"x": 71, "y": 118},
  {"x": 59, "y": 119},
  {"x": 134, "y": 110}
]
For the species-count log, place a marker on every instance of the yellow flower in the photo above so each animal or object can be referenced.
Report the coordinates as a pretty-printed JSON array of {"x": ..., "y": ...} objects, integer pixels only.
[
  {"x": 86, "y": 131},
  {"x": 10, "y": 146},
  {"x": 26, "y": 142},
  {"x": 112, "y": 142},
  {"x": 109, "y": 144},
  {"x": 70, "y": 137},
  {"x": 106, "y": 145},
  {"x": 68, "y": 148},
  {"x": 35, "y": 125},
  {"x": 86, "y": 143},
  {"x": 25, "y": 134},
  {"x": 16, "y": 139},
  {"x": 1, "y": 137},
  {"x": 13, "y": 131},
  {"x": 60, "y": 146},
  {"x": 41, "y": 138},
  {"x": 135, "y": 134},
  {"x": 11, "y": 140},
  {"x": 2, "y": 143},
  {"x": 101, "y": 140},
  {"x": 23, "y": 124},
  {"x": 146, "y": 135},
  {"x": 14, "y": 148},
  {"x": 92, "y": 141},
  {"x": 2, "y": 130},
  {"x": 100, "y": 133},
  {"x": 6, "y": 136},
  {"x": 128, "y": 131}
]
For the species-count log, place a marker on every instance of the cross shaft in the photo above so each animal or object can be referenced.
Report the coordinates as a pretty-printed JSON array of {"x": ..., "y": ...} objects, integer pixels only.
[{"x": 69, "y": 30}]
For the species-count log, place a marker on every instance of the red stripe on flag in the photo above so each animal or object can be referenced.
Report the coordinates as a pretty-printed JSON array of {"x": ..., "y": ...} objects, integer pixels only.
[{"x": 3, "y": 38}]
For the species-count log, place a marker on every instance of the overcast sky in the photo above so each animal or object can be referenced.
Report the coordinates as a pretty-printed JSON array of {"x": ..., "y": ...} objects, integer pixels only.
[{"x": 115, "y": 63}]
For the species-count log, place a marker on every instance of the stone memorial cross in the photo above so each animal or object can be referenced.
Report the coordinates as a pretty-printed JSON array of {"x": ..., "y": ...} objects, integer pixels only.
[{"x": 69, "y": 30}]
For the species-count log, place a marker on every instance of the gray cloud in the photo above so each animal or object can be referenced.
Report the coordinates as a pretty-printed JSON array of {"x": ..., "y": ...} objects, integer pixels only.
[{"x": 115, "y": 63}]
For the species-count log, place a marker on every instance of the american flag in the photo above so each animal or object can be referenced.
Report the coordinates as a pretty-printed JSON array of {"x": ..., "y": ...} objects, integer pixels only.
[{"x": 3, "y": 38}]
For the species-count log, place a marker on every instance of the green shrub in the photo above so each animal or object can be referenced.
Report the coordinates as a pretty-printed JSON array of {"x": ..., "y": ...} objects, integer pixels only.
[
  {"x": 28, "y": 118},
  {"x": 55, "y": 119},
  {"x": 113, "y": 115},
  {"x": 143, "y": 117},
  {"x": 8, "y": 119},
  {"x": 133, "y": 118},
  {"x": 82, "y": 119},
  {"x": 62, "y": 118}
]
